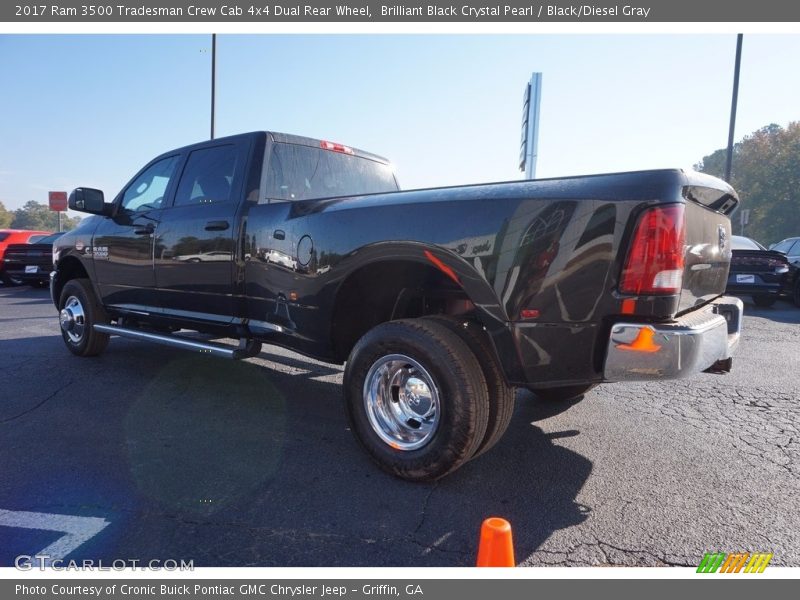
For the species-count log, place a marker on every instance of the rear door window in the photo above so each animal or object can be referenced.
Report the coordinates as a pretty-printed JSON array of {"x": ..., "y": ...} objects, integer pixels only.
[{"x": 208, "y": 176}]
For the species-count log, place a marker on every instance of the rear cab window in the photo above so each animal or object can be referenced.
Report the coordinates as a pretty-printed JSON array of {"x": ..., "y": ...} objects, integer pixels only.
[{"x": 299, "y": 172}]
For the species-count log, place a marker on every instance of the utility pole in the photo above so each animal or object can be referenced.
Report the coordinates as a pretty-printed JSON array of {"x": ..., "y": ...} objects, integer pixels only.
[
  {"x": 734, "y": 100},
  {"x": 213, "y": 78}
]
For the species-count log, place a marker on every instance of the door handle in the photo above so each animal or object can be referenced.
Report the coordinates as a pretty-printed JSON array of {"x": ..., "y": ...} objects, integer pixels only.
[
  {"x": 279, "y": 234},
  {"x": 217, "y": 225},
  {"x": 147, "y": 229}
]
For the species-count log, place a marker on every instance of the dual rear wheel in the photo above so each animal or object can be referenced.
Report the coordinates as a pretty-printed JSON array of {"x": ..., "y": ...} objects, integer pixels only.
[
  {"x": 419, "y": 400},
  {"x": 425, "y": 396}
]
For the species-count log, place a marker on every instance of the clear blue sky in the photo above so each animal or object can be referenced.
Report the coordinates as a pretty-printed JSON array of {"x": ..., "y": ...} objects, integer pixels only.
[{"x": 446, "y": 109}]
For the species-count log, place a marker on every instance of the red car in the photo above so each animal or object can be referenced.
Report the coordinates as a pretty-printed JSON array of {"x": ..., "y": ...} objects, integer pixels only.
[{"x": 14, "y": 236}]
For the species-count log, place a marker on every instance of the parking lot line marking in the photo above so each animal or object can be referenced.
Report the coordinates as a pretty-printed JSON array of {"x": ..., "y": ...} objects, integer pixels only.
[{"x": 77, "y": 530}]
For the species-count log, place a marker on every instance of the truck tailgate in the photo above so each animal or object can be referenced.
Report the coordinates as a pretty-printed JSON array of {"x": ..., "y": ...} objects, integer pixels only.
[{"x": 707, "y": 244}]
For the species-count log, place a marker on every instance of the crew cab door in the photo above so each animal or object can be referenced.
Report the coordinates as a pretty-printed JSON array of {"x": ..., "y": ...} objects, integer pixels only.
[
  {"x": 122, "y": 248},
  {"x": 195, "y": 248}
]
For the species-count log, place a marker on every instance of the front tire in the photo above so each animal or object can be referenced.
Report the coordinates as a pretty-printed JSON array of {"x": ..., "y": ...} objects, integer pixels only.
[
  {"x": 79, "y": 311},
  {"x": 416, "y": 398}
]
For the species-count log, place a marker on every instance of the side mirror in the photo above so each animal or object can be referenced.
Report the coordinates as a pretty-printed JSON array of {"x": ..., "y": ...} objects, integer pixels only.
[{"x": 88, "y": 200}]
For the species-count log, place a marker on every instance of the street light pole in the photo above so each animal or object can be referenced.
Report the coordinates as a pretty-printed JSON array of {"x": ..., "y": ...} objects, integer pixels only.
[
  {"x": 734, "y": 100},
  {"x": 213, "y": 78}
]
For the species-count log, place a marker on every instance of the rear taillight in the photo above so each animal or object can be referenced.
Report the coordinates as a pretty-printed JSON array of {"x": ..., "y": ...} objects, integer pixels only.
[
  {"x": 759, "y": 260},
  {"x": 655, "y": 260}
]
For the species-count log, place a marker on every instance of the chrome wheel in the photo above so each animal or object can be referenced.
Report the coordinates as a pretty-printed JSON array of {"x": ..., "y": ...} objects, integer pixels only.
[
  {"x": 402, "y": 402},
  {"x": 72, "y": 319}
]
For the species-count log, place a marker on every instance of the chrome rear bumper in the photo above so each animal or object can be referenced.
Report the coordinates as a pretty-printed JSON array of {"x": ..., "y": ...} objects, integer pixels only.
[{"x": 691, "y": 344}]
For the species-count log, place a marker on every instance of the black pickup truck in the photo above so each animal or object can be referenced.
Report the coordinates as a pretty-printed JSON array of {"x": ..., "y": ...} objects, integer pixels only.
[{"x": 441, "y": 301}]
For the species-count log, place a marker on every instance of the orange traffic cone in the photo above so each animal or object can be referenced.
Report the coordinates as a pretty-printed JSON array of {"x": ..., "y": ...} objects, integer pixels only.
[{"x": 496, "y": 547}]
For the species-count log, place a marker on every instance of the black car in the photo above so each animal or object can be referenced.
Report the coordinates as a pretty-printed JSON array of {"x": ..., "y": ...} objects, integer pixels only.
[
  {"x": 763, "y": 274},
  {"x": 31, "y": 263}
]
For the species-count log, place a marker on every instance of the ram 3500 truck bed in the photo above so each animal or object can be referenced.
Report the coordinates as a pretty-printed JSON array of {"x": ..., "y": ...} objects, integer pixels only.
[{"x": 441, "y": 301}]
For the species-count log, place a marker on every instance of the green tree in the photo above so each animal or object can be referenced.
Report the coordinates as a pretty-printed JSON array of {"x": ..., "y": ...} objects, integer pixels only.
[
  {"x": 766, "y": 174},
  {"x": 35, "y": 215},
  {"x": 6, "y": 216}
]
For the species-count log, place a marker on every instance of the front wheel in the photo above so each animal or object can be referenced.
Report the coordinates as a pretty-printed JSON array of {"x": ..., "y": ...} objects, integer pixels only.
[
  {"x": 416, "y": 398},
  {"x": 79, "y": 311}
]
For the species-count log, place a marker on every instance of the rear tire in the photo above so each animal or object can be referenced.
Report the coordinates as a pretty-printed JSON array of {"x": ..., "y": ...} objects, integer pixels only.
[
  {"x": 80, "y": 310},
  {"x": 796, "y": 292},
  {"x": 416, "y": 398},
  {"x": 764, "y": 301},
  {"x": 501, "y": 395},
  {"x": 561, "y": 394}
]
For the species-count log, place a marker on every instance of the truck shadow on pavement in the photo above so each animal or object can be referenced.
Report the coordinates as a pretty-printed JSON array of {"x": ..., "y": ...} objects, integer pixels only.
[{"x": 236, "y": 464}]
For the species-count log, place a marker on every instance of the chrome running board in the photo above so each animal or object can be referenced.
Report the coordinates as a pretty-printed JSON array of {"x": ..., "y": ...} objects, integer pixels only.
[{"x": 244, "y": 351}]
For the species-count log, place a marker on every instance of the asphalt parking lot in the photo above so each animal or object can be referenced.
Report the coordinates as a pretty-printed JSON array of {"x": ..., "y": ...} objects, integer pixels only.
[{"x": 161, "y": 454}]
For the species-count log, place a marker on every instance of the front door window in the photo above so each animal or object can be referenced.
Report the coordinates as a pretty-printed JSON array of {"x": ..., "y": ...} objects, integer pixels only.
[{"x": 148, "y": 189}]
